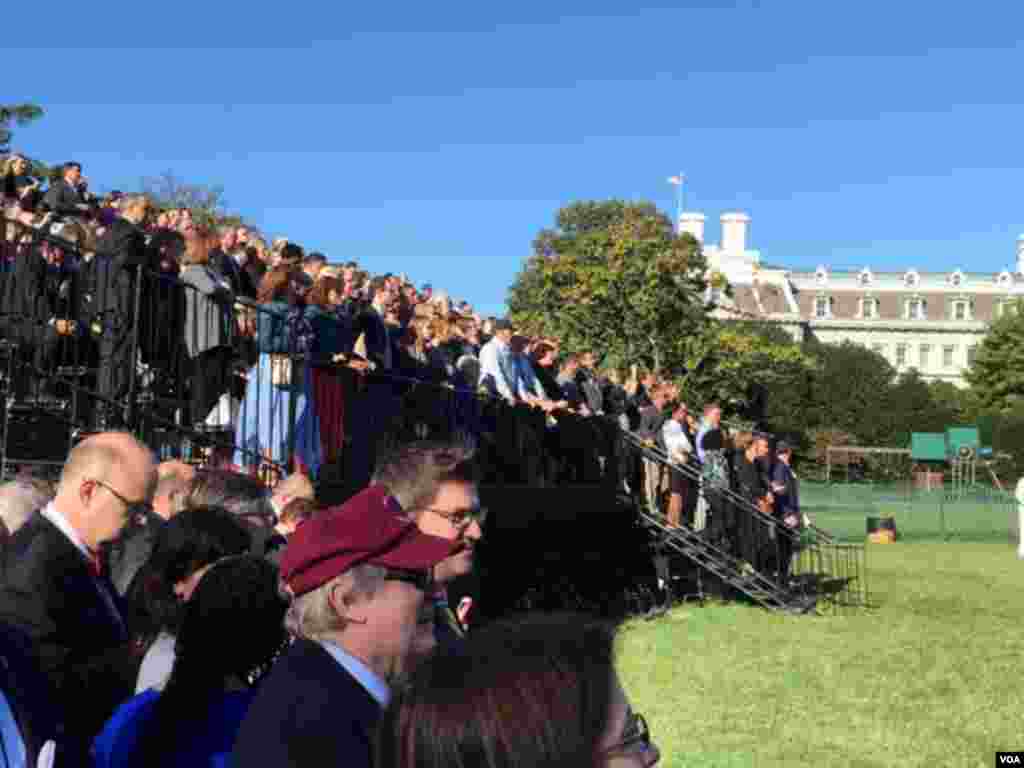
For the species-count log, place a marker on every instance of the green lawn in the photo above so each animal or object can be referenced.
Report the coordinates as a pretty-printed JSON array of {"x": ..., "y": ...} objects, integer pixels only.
[{"x": 929, "y": 677}]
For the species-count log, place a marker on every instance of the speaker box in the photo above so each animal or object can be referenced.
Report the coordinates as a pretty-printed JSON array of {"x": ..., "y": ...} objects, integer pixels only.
[{"x": 36, "y": 435}]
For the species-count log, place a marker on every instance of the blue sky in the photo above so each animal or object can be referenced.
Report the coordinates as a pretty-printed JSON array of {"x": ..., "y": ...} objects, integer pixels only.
[{"x": 437, "y": 139}]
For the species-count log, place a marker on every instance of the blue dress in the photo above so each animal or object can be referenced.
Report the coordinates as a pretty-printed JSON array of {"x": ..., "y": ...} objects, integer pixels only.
[
  {"x": 265, "y": 420},
  {"x": 206, "y": 743}
]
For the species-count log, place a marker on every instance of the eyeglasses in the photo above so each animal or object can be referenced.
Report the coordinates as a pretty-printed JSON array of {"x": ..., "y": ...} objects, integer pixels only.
[
  {"x": 463, "y": 517},
  {"x": 422, "y": 580},
  {"x": 137, "y": 511},
  {"x": 635, "y": 734}
]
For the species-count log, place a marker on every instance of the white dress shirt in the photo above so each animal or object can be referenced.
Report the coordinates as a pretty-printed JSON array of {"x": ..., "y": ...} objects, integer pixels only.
[
  {"x": 365, "y": 676},
  {"x": 498, "y": 371}
]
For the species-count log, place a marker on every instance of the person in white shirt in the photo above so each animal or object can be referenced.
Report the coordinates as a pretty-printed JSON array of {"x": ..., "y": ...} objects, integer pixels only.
[
  {"x": 1020, "y": 518},
  {"x": 679, "y": 449},
  {"x": 498, "y": 372}
]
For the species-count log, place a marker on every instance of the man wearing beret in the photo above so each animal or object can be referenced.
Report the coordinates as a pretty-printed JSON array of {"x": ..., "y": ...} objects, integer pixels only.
[{"x": 358, "y": 576}]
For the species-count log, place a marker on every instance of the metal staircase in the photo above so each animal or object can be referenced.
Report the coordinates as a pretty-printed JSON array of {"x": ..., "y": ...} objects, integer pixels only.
[{"x": 825, "y": 574}]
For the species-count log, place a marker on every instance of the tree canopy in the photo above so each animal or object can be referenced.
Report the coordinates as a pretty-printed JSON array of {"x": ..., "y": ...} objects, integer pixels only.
[
  {"x": 997, "y": 375},
  {"x": 612, "y": 276},
  {"x": 15, "y": 114},
  {"x": 207, "y": 203}
]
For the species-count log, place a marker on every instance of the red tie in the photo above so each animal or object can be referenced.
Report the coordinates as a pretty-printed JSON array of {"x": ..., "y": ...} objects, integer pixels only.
[{"x": 95, "y": 564}]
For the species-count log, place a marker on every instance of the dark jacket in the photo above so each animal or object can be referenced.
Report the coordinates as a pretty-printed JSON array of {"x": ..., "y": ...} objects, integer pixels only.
[
  {"x": 64, "y": 199},
  {"x": 121, "y": 253},
  {"x": 787, "y": 500},
  {"x": 73, "y": 619},
  {"x": 239, "y": 278},
  {"x": 749, "y": 479},
  {"x": 309, "y": 710}
]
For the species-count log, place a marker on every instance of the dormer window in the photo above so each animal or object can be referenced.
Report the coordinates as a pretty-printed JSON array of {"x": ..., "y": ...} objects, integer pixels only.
[
  {"x": 821, "y": 275},
  {"x": 956, "y": 279},
  {"x": 823, "y": 307},
  {"x": 869, "y": 308},
  {"x": 915, "y": 309},
  {"x": 866, "y": 278},
  {"x": 1005, "y": 278},
  {"x": 911, "y": 279}
]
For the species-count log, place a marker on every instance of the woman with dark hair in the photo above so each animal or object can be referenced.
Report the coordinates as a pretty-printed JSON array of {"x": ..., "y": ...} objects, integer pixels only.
[
  {"x": 232, "y": 630},
  {"x": 184, "y": 549},
  {"x": 541, "y": 692}
]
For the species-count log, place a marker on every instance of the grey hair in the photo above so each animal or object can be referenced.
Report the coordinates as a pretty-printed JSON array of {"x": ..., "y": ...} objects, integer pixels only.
[
  {"x": 413, "y": 473},
  {"x": 18, "y": 500},
  {"x": 311, "y": 615}
]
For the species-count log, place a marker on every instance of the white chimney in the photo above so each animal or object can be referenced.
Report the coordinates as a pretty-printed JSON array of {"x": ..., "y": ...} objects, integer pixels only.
[
  {"x": 1020, "y": 254},
  {"x": 692, "y": 223},
  {"x": 734, "y": 232}
]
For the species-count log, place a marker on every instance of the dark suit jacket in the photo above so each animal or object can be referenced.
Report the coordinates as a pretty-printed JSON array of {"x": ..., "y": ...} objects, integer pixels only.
[
  {"x": 73, "y": 620},
  {"x": 238, "y": 277},
  {"x": 309, "y": 712},
  {"x": 377, "y": 338},
  {"x": 788, "y": 500},
  {"x": 121, "y": 253},
  {"x": 62, "y": 198}
]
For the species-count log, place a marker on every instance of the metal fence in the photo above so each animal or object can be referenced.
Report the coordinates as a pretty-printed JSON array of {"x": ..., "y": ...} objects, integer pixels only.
[{"x": 979, "y": 513}]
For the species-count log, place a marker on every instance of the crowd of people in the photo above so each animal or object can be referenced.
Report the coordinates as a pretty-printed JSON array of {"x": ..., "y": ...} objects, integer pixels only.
[{"x": 154, "y": 613}]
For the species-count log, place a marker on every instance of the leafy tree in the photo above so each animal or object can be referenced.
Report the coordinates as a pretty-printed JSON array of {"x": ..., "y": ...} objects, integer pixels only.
[
  {"x": 909, "y": 407},
  {"x": 612, "y": 276},
  {"x": 208, "y": 205},
  {"x": 997, "y": 375},
  {"x": 850, "y": 390},
  {"x": 15, "y": 114},
  {"x": 763, "y": 381}
]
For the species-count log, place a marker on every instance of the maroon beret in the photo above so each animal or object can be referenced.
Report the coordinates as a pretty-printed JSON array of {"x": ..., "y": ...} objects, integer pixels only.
[{"x": 367, "y": 529}]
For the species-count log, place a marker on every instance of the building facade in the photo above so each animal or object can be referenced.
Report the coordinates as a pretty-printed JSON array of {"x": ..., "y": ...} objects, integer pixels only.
[{"x": 931, "y": 321}]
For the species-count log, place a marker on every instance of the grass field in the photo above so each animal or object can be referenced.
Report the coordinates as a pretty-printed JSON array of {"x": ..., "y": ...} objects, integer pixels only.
[{"x": 929, "y": 677}]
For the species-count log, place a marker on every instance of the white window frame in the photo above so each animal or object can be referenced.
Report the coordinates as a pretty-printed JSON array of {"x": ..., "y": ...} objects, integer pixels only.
[
  {"x": 869, "y": 301},
  {"x": 924, "y": 353},
  {"x": 949, "y": 356},
  {"x": 901, "y": 355},
  {"x": 972, "y": 352},
  {"x": 961, "y": 305},
  {"x": 918, "y": 302},
  {"x": 828, "y": 307}
]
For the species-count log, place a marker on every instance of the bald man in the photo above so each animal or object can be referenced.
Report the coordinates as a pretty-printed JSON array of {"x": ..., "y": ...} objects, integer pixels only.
[{"x": 52, "y": 585}]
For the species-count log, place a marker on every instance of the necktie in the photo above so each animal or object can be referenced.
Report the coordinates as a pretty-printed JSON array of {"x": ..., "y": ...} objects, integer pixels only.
[{"x": 95, "y": 564}]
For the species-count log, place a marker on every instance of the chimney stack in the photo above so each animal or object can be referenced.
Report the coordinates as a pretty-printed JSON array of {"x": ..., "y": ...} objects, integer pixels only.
[
  {"x": 692, "y": 223},
  {"x": 734, "y": 232}
]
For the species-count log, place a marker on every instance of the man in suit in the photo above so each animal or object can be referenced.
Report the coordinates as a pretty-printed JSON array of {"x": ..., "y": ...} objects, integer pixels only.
[
  {"x": 66, "y": 196},
  {"x": 358, "y": 576},
  {"x": 230, "y": 261},
  {"x": 52, "y": 585},
  {"x": 435, "y": 483},
  {"x": 121, "y": 259}
]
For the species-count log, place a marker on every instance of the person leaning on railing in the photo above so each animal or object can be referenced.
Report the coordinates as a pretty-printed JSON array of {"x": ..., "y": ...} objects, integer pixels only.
[{"x": 208, "y": 327}]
